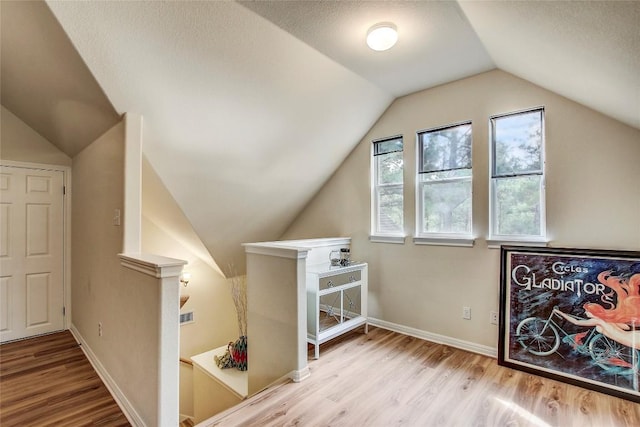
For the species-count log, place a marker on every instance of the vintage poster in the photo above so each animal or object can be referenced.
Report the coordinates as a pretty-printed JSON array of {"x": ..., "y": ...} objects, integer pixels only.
[{"x": 572, "y": 315}]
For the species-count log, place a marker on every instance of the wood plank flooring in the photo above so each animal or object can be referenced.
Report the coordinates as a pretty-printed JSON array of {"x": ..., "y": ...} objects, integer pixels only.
[
  {"x": 389, "y": 379},
  {"x": 48, "y": 381}
]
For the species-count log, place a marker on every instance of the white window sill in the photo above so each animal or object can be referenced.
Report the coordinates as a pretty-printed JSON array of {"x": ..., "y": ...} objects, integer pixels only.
[
  {"x": 497, "y": 243},
  {"x": 377, "y": 238},
  {"x": 466, "y": 242}
]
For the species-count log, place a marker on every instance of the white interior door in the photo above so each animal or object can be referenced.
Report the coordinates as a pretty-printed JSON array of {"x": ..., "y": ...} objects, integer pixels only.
[{"x": 31, "y": 252}]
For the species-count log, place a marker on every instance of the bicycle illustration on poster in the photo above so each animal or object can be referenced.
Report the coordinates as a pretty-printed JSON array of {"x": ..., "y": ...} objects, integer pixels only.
[{"x": 572, "y": 315}]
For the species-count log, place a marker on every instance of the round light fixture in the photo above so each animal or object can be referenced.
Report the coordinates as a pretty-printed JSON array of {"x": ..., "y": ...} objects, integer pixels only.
[{"x": 382, "y": 36}]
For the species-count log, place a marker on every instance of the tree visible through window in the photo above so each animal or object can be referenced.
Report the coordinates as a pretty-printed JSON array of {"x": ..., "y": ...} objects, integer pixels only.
[
  {"x": 444, "y": 181},
  {"x": 517, "y": 175},
  {"x": 387, "y": 203}
]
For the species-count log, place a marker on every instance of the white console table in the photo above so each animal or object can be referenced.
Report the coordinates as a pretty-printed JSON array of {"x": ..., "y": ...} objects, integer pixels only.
[{"x": 336, "y": 301}]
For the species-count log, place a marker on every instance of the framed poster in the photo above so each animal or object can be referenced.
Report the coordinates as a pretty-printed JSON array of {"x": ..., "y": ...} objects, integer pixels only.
[{"x": 572, "y": 315}]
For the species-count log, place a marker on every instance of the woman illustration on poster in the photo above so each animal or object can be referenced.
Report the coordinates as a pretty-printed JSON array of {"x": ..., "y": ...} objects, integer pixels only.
[
  {"x": 621, "y": 322},
  {"x": 629, "y": 337}
]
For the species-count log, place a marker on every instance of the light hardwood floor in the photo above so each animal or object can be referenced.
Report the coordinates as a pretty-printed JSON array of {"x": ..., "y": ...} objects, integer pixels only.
[
  {"x": 389, "y": 379},
  {"x": 48, "y": 381},
  {"x": 379, "y": 379}
]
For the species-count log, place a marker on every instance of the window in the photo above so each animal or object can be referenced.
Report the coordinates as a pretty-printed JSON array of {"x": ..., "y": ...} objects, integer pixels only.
[
  {"x": 444, "y": 182},
  {"x": 387, "y": 189},
  {"x": 517, "y": 176}
]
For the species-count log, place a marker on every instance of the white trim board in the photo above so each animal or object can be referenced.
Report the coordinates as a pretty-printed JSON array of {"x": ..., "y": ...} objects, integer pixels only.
[
  {"x": 122, "y": 401},
  {"x": 436, "y": 338}
]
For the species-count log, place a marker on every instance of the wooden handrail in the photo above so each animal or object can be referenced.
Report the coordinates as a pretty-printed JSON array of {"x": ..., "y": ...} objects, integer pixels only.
[{"x": 186, "y": 361}]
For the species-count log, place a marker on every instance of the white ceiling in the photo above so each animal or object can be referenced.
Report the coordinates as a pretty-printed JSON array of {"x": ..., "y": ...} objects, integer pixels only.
[
  {"x": 242, "y": 122},
  {"x": 44, "y": 80},
  {"x": 587, "y": 51},
  {"x": 436, "y": 44},
  {"x": 249, "y": 107}
]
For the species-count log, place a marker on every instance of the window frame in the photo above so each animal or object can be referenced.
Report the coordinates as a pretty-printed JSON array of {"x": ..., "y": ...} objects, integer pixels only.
[
  {"x": 494, "y": 239},
  {"x": 465, "y": 239},
  {"x": 376, "y": 235}
]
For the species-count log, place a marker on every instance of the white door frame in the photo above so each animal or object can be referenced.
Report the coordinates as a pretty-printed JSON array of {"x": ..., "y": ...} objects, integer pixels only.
[{"x": 66, "y": 220}]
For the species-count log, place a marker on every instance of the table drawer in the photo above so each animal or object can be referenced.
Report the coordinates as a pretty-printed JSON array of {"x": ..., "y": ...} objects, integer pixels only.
[{"x": 340, "y": 279}]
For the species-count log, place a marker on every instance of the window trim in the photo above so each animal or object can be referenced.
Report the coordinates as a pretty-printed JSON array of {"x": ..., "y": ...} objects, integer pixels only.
[
  {"x": 494, "y": 240},
  {"x": 375, "y": 235},
  {"x": 445, "y": 240},
  {"x": 433, "y": 238},
  {"x": 384, "y": 238}
]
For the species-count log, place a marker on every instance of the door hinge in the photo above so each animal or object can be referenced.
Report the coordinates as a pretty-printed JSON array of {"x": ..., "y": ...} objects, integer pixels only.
[
  {"x": 64, "y": 311},
  {"x": 64, "y": 190}
]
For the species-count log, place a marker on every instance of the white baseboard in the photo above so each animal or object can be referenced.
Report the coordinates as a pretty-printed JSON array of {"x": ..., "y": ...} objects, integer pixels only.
[
  {"x": 439, "y": 339},
  {"x": 122, "y": 401},
  {"x": 300, "y": 375}
]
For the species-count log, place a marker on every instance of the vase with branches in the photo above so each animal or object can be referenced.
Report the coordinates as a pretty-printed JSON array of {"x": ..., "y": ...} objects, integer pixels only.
[{"x": 236, "y": 354}]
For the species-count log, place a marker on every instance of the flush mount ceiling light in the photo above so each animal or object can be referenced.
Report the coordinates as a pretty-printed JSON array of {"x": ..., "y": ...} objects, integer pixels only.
[{"x": 382, "y": 36}]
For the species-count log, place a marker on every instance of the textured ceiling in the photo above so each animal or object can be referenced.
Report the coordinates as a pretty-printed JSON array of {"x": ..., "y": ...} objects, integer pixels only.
[
  {"x": 587, "y": 51},
  {"x": 242, "y": 122},
  {"x": 249, "y": 107},
  {"x": 45, "y": 82},
  {"x": 436, "y": 45}
]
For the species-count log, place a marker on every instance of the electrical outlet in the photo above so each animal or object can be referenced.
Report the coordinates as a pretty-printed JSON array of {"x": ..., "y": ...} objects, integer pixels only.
[
  {"x": 493, "y": 317},
  {"x": 466, "y": 313},
  {"x": 99, "y": 329}
]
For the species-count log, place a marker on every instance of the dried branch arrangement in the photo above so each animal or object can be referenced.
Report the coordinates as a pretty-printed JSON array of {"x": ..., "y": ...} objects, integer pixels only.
[{"x": 239, "y": 295}]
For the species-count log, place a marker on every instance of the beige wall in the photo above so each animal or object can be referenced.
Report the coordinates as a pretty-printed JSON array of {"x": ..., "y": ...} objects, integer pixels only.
[
  {"x": 272, "y": 318},
  {"x": 166, "y": 231},
  {"x": 124, "y": 301},
  {"x": 593, "y": 200},
  {"x": 96, "y": 242},
  {"x": 19, "y": 142}
]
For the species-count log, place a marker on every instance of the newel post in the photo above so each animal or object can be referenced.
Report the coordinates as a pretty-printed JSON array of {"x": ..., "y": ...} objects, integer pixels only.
[{"x": 167, "y": 271}]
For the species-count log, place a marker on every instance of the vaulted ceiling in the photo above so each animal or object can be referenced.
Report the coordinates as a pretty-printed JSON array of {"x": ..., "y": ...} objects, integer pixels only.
[
  {"x": 249, "y": 107},
  {"x": 45, "y": 82}
]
